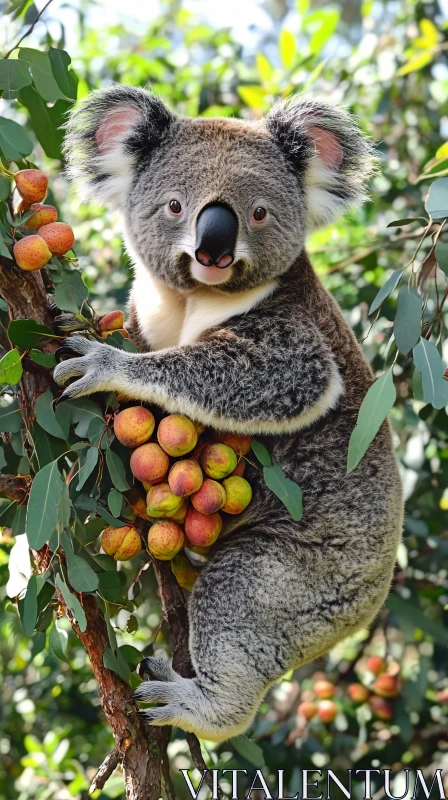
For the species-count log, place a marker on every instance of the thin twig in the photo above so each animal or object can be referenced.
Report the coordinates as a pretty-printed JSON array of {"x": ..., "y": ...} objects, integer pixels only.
[
  {"x": 167, "y": 782},
  {"x": 198, "y": 761},
  {"x": 30, "y": 30},
  {"x": 109, "y": 765}
]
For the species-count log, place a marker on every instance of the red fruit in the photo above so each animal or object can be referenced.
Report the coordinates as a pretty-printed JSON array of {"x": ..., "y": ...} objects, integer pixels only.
[
  {"x": 358, "y": 693},
  {"x": 112, "y": 321},
  {"x": 32, "y": 185},
  {"x": 376, "y": 665},
  {"x": 386, "y": 685},
  {"x": 210, "y": 497},
  {"x": 202, "y": 529},
  {"x": 149, "y": 463},
  {"x": 327, "y": 710},
  {"x": 134, "y": 426},
  {"x": 43, "y": 215},
  {"x": 383, "y": 709},
  {"x": 324, "y": 690},
  {"x": 31, "y": 253},
  {"x": 59, "y": 236},
  {"x": 307, "y": 710},
  {"x": 239, "y": 469},
  {"x": 177, "y": 435},
  {"x": 218, "y": 460},
  {"x": 165, "y": 539},
  {"x": 185, "y": 477}
]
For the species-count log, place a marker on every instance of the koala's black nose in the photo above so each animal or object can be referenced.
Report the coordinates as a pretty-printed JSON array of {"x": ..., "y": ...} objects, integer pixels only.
[{"x": 216, "y": 232}]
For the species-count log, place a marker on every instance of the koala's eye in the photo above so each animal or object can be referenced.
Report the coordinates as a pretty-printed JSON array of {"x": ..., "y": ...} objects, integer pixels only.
[
  {"x": 259, "y": 214},
  {"x": 175, "y": 206}
]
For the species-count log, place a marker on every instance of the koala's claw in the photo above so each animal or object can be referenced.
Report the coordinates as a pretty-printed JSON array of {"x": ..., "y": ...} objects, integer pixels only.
[
  {"x": 64, "y": 350},
  {"x": 96, "y": 365},
  {"x": 156, "y": 669}
]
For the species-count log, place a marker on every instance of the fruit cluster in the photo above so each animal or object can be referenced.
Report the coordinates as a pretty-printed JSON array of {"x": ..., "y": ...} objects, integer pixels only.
[
  {"x": 33, "y": 251},
  {"x": 319, "y": 701},
  {"x": 187, "y": 481}
]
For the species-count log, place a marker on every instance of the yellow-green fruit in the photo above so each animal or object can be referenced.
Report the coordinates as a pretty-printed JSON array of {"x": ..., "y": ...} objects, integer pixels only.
[
  {"x": 185, "y": 477},
  {"x": 112, "y": 321},
  {"x": 239, "y": 443},
  {"x": 165, "y": 539},
  {"x": 239, "y": 494},
  {"x": 32, "y": 185},
  {"x": 43, "y": 215},
  {"x": 210, "y": 497},
  {"x": 177, "y": 435},
  {"x": 149, "y": 463},
  {"x": 121, "y": 543},
  {"x": 162, "y": 502},
  {"x": 134, "y": 426},
  {"x": 31, "y": 253},
  {"x": 181, "y": 513},
  {"x": 218, "y": 460},
  {"x": 186, "y": 575}
]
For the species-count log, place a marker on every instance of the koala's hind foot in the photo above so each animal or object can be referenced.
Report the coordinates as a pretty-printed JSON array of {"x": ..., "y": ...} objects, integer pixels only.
[{"x": 187, "y": 703}]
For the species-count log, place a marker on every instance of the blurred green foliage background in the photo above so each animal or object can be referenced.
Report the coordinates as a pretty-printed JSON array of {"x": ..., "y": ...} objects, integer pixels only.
[{"x": 386, "y": 61}]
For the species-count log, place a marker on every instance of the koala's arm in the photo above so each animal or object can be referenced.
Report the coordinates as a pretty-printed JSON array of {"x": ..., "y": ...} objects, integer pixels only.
[{"x": 230, "y": 381}]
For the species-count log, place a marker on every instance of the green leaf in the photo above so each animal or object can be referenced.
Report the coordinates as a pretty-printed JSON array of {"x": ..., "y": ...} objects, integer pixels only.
[
  {"x": 46, "y": 122},
  {"x": 58, "y": 640},
  {"x": 413, "y": 614},
  {"x": 132, "y": 624},
  {"x": 262, "y": 453},
  {"x": 386, "y": 290},
  {"x": 42, "y": 73},
  {"x": 4, "y": 250},
  {"x": 11, "y": 368},
  {"x": 116, "y": 471},
  {"x": 110, "y": 629},
  {"x": 130, "y": 654},
  {"x": 95, "y": 433},
  {"x": 428, "y": 361},
  {"x": 249, "y": 750},
  {"x": 82, "y": 411},
  {"x": 442, "y": 256},
  {"x": 25, "y": 333},
  {"x": 10, "y": 418},
  {"x": 253, "y": 96},
  {"x": 401, "y": 223},
  {"x": 72, "y": 292},
  {"x": 72, "y": 603},
  {"x": 29, "y": 615},
  {"x": 408, "y": 319},
  {"x": 46, "y": 417},
  {"x": 5, "y": 183},
  {"x": 43, "y": 505},
  {"x": 45, "y": 447},
  {"x": 14, "y": 142},
  {"x": 417, "y": 385},
  {"x": 116, "y": 664},
  {"x": 110, "y": 586},
  {"x": 80, "y": 574},
  {"x": 285, "y": 489},
  {"x": 14, "y": 75},
  {"x": 287, "y": 47},
  {"x": 46, "y": 360},
  {"x": 374, "y": 410},
  {"x": 60, "y": 61},
  {"x": 89, "y": 461},
  {"x": 437, "y": 200},
  {"x": 115, "y": 502},
  {"x": 264, "y": 67}
]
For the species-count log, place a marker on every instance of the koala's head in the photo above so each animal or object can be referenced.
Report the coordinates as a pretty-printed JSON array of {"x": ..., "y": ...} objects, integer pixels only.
[{"x": 220, "y": 202}]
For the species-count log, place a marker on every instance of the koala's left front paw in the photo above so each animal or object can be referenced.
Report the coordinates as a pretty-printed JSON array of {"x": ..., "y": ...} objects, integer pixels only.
[{"x": 98, "y": 366}]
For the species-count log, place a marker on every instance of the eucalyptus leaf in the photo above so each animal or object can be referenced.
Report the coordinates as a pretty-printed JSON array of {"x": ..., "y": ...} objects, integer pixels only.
[
  {"x": 46, "y": 416},
  {"x": 71, "y": 293},
  {"x": 115, "y": 502},
  {"x": 72, "y": 603},
  {"x": 285, "y": 489},
  {"x": 14, "y": 75},
  {"x": 10, "y": 418},
  {"x": 42, "y": 73},
  {"x": 408, "y": 319},
  {"x": 80, "y": 573},
  {"x": 43, "y": 505},
  {"x": 89, "y": 461},
  {"x": 374, "y": 410},
  {"x": 262, "y": 453},
  {"x": 11, "y": 368},
  {"x": 26, "y": 333},
  {"x": 117, "y": 471},
  {"x": 58, "y": 640},
  {"x": 30, "y": 607},
  {"x": 437, "y": 200},
  {"x": 117, "y": 664},
  {"x": 428, "y": 361},
  {"x": 386, "y": 290},
  {"x": 46, "y": 360},
  {"x": 14, "y": 142},
  {"x": 442, "y": 256}
]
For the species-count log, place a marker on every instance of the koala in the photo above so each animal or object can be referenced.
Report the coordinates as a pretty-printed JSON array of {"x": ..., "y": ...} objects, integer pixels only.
[{"x": 239, "y": 334}]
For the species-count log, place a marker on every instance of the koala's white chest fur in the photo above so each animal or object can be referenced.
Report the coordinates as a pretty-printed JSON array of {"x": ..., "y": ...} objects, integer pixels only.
[{"x": 168, "y": 317}]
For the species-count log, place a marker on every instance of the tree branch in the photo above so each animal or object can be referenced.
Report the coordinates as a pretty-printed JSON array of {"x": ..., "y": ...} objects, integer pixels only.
[
  {"x": 30, "y": 30},
  {"x": 109, "y": 765}
]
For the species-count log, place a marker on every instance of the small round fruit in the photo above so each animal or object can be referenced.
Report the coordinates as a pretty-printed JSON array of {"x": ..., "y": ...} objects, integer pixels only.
[
  {"x": 218, "y": 460},
  {"x": 130, "y": 546},
  {"x": 186, "y": 575},
  {"x": 376, "y": 665},
  {"x": 185, "y": 477},
  {"x": 125, "y": 334},
  {"x": 59, "y": 236},
  {"x": 149, "y": 462},
  {"x": 177, "y": 435},
  {"x": 165, "y": 539},
  {"x": 327, "y": 710},
  {"x": 121, "y": 543},
  {"x": 324, "y": 690},
  {"x": 239, "y": 443},
  {"x": 382, "y": 708},
  {"x": 239, "y": 469},
  {"x": 43, "y": 215},
  {"x": 202, "y": 529},
  {"x": 112, "y": 321},
  {"x": 357, "y": 692},
  {"x": 239, "y": 494},
  {"x": 307, "y": 710},
  {"x": 161, "y": 502},
  {"x": 210, "y": 497},
  {"x": 32, "y": 185},
  {"x": 386, "y": 685},
  {"x": 31, "y": 253},
  {"x": 134, "y": 426}
]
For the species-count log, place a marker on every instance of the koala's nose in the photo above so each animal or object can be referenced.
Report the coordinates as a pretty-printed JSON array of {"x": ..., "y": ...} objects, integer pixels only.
[{"x": 216, "y": 233}]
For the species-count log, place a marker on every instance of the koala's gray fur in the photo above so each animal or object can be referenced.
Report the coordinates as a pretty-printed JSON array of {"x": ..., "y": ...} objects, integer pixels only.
[{"x": 267, "y": 352}]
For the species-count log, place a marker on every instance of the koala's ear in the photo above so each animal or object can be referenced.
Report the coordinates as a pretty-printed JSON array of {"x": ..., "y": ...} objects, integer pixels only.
[
  {"x": 326, "y": 148},
  {"x": 107, "y": 135}
]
